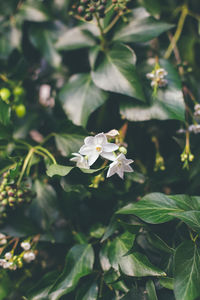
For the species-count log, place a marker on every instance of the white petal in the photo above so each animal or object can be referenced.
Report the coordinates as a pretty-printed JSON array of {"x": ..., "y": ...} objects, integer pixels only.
[
  {"x": 85, "y": 150},
  {"x": 92, "y": 157},
  {"x": 100, "y": 139},
  {"x": 110, "y": 147},
  {"x": 108, "y": 155},
  {"x": 128, "y": 169},
  {"x": 89, "y": 140},
  {"x": 112, "y": 170},
  {"x": 120, "y": 172}
]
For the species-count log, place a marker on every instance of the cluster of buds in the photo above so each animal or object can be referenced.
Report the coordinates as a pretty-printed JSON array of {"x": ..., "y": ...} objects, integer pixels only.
[
  {"x": 99, "y": 146},
  {"x": 14, "y": 96},
  {"x": 12, "y": 195},
  {"x": 14, "y": 261},
  {"x": 89, "y": 8},
  {"x": 121, "y": 5},
  {"x": 157, "y": 77},
  {"x": 195, "y": 128}
]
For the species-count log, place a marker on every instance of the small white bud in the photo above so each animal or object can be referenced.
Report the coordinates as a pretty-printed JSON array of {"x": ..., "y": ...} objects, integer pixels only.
[
  {"x": 25, "y": 245},
  {"x": 123, "y": 150},
  {"x": 29, "y": 256},
  {"x": 112, "y": 133},
  {"x": 3, "y": 240},
  {"x": 8, "y": 255}
]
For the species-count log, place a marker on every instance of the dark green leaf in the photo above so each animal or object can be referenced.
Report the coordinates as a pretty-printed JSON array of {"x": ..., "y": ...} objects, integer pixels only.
[
  {"x": 114, "y": 70},
  {"x": 151, "y": 291},
  {"x": 80, "y": 97},
  {"x": 187, "y": 272},
  {"x": 191, "y": 218},
  {"x": 58, "y": 170},
  {"x": 79, "y": 263},
  {"x": 141, "y": 28},
  {"x": 4, "y": 113},
  {"x": 167, "y": 282},
  {"x": 104, "y": 256},
  {"x": 68, "y": 143},
  {"x": 86, "y": 293},
  {"x": 167, "y": 104},
  {"x": 34, "y": 11}
]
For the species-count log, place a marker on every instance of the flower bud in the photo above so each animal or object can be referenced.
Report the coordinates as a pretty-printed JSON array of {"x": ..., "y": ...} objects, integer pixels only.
[{"x": 123, "y": 150}]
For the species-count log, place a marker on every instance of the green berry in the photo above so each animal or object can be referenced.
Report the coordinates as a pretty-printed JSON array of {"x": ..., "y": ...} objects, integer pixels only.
[
  {"x": 18, "y": 91},
  {"x": 5, "y": 94},
  {"x": 20, "y": 110}
]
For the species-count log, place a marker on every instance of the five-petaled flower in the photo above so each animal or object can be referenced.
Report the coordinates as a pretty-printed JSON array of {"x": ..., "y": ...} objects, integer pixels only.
[
  {"x": 119, "y": 166},
  {"x": 98, "y": 146},
  {"x": 81, "y": 161}
]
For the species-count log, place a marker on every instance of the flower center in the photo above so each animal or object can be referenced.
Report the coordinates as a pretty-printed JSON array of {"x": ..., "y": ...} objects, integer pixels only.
[{"x": 99, "y": 148}]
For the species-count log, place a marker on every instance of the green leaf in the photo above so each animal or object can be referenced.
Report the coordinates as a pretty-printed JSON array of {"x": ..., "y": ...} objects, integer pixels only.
[
  {"x": 141, "y": 28},
  {"x": 68, "y": 143},
  {"x": 134, "y": 264},
  {"x": 167, "y": 104},
  {"x": 44, "y": 207},
  {"x": 151, "y": 291},
  {"x": 4, "y": 113},
  {"x": 79, "y": 263},
  {"x": 187, "y": 272},
  {"x": 80, "y": 97},
  {"x": 5, "y": 133},
  {"x": 10, "y": 39},
  {"x": 158, "y": 243},
  {"x": 33, "y": 11},
  {"x": 58, "y": 170},
  {"x": 167, "y": 282},
  {"x": 75, "y": 38},
  {"x": 114, "y": 70},
  {"x": 191, "y": 218},
  {"x": 42, "y": 39},
  {"x": 88, "y": 293},
  {"x": 104, "y": 257}
]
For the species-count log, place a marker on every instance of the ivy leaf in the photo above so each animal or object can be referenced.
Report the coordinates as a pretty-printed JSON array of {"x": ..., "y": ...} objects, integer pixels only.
[
  {"x": 58, "y": 170},
  {"x": 114, "y": 70},
  {"x": 42, "y": 39},
  {"x": 88, "y": 292},
  {"x": 187, "y": 278},
  {"x": 167, "y": 104},
  {"x": 142, "y": 28},
  {"x": 79, "y": 263},
  {"x": 75, "y": 38},
  {"x": 151, "y": 291},
  {"x": 80, "y": 97},
  {"x": 191, "y": 218},
  {"x": 134, "y": 264},
  {"x": 34, "y": 11},
  {"x": 68, "y": 143}
]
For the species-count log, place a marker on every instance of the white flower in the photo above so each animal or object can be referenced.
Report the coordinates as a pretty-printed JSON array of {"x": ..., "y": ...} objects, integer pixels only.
[
  {"x": 25, "y": 245},
  {"x": 3, "y": 240},
  {"x": 119, "y": 166},
  {"x": 29, "y": 256},
  {"x": 197, "y": 110},
  {"x": 194, "y": 128},
  {"x": 98, "y": 146},
  {"x": 8, "y": 255},
  {"x": 2, "y": 262},
  {"x": 160, "y": 73},
  {"x": 81, "y": 161},
  {"x": 150, "y": 76},
  {"x": 7, "y": 265},
  {"x": 112, "y": 133}
]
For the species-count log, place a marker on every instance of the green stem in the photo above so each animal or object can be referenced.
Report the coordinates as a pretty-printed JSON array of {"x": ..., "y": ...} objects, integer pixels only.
[
  {"x": 178, "y": 32},
  {"x": 102, "y": 37},
  {"x": 26, "y": 161},
  {"x": 114, "y": 21},
  {"x": 44, "y": 150}
]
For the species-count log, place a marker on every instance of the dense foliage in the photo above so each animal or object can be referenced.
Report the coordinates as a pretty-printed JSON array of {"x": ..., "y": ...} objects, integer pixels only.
[{"x": 79, "y": 80}]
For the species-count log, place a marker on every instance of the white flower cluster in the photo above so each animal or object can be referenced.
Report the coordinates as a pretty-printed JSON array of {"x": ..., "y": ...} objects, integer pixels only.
[
  {"x": 197, "y": 110},
  {"x": 195, "y": 128},
  {"x": 98, "y": 146},
  {"x": 12, "y": 262},
  {"x": 3, "y": 239},
  {"x": 157, "y": 77}
]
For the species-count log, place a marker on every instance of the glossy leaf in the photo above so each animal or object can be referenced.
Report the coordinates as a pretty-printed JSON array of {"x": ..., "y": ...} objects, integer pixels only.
[
  {"x": 80, "y": 97},
  {"x": 79, "y": 263},
  {"x": 75, "y": 38},
  {"x": 141, "y": 28},
  {"x": 187, "y": 272},
  {"x": 68, "y": 143},
  {"x": 167, "y": 104},
  {"x": 90, "y": 293},
  {"x": 114, "y": 70},
  {"x": 151, "y": 291},
  {"x": 34, "y": 11},
  {"x": 167, "y": 282},
  {"x": 58, "y": 170},
  {"x": 191, "y": 218},
  {"x": 4, "y": 113}
]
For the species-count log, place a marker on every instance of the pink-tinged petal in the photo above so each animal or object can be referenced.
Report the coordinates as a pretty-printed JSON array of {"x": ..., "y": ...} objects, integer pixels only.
[
  {"x": 128, "y": 161},
  {"x": 112, "y": 170},
  {"x": 110, "y": 147},
  {"x": 120, "y": 172},
  {"x": 74, "y": 159},
  {"x": 108, "y": 155},
  {"x": 89, "y": 140},
  {"x": 100, "y": 139},
  {"x": 92, "y": 157},
  {"x": 85, "y": 150},
  {"x": 128, "y": 169}
]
